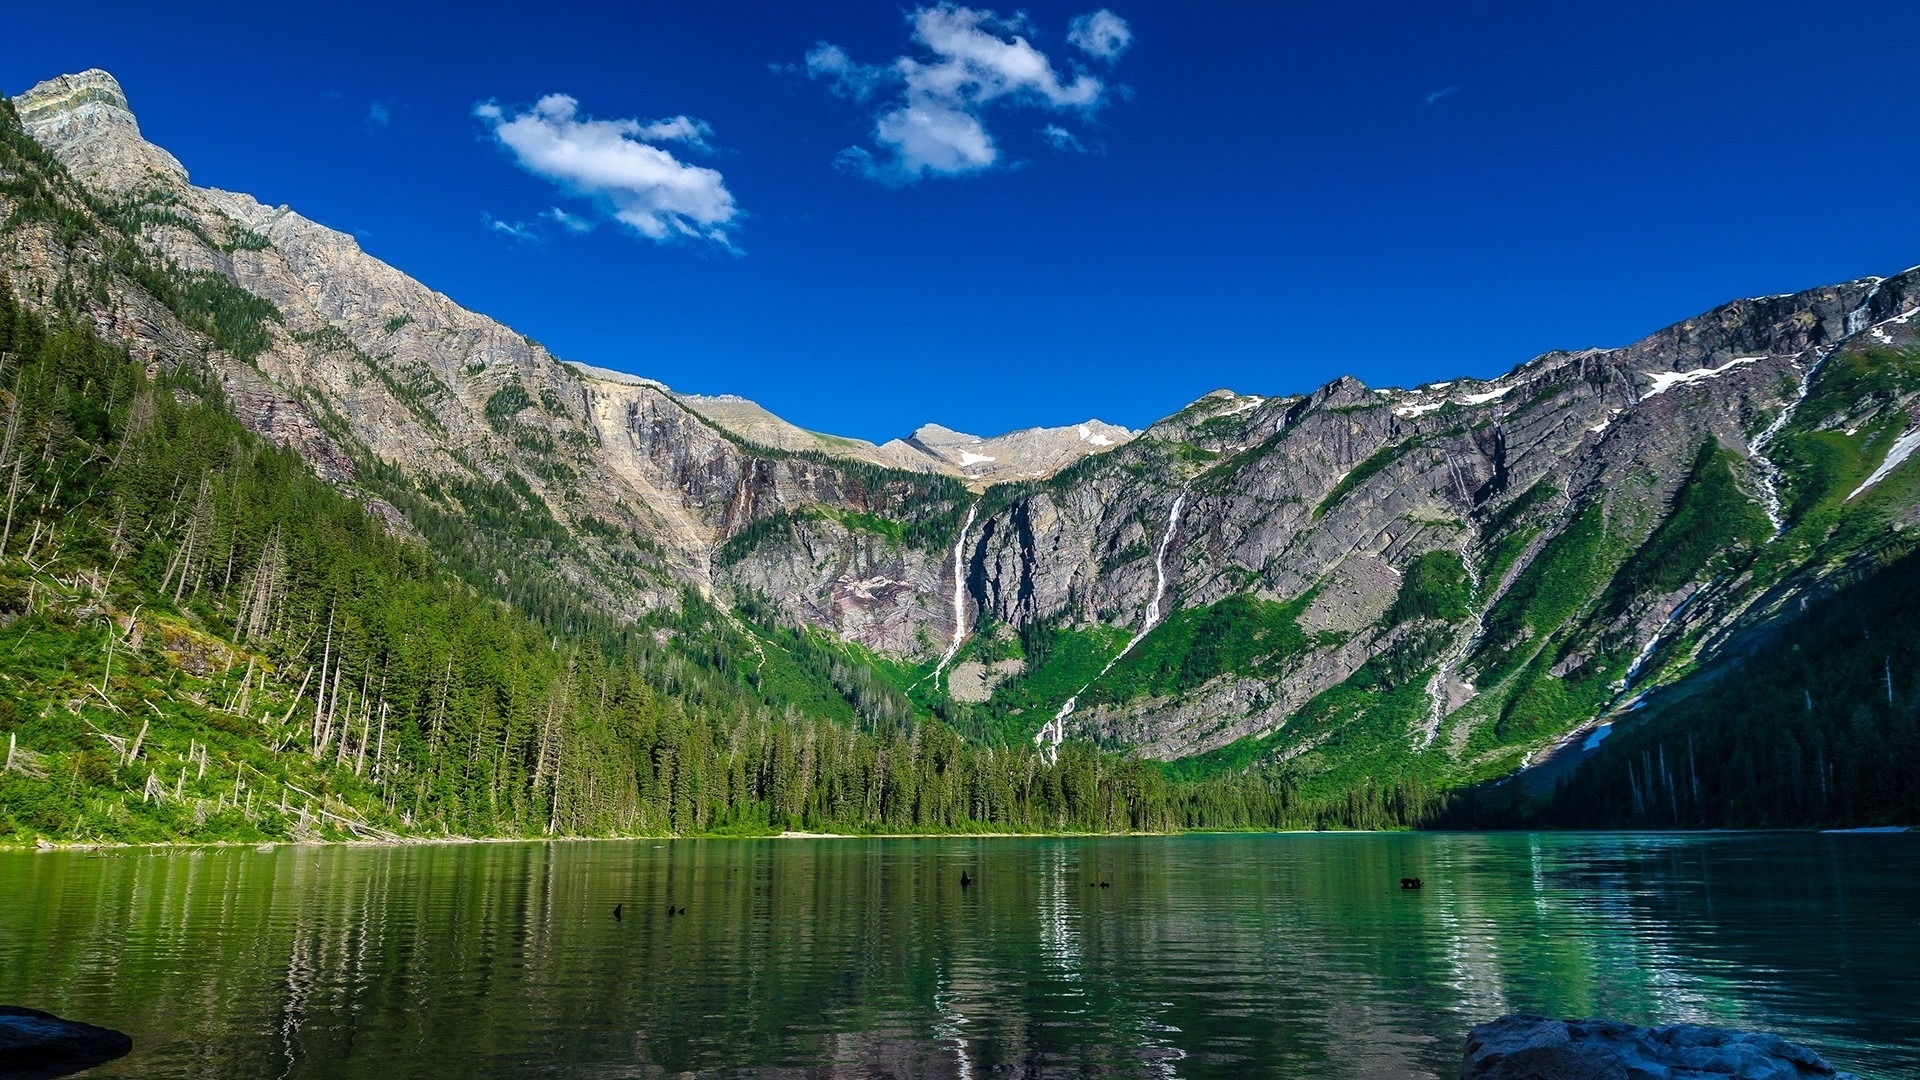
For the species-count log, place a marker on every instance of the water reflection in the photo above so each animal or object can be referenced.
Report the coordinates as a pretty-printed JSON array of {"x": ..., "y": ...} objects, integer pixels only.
[{"x": 1207, "y": 956}]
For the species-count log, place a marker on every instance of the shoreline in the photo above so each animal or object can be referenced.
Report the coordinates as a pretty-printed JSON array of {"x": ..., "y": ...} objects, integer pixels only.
[{"x": 264, "y": 846}]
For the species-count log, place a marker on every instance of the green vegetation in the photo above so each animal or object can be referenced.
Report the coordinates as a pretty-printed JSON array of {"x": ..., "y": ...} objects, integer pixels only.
[
  {"x": 200, "y": 639},
  {"x": 1858, "y": 375},
  {"x": 1555, "y": 585},
  {"x": 1361, "y": 473},
  {"x": 506, "y": 403},
  {"x": 1711, "y": 521},
  {"x": 1242, "y": 634},
  {"x": 1350, "y": 743},
  {"x": 930, "y": 507},
  {"x": 203, "y": 640},
  {"x": 1434, "y": 587},
  {"x": 1819, "y": 726},
  {"x": 782, "y": 525},
  {"x": 38, "y": 190},
  {"x": 419, "y": 388},
  {"x": 1059, "y": 661}
]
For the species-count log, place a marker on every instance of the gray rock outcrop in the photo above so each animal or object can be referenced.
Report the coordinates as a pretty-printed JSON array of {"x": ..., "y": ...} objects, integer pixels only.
[
  {"x": 35, "y": 1044},
  {"x": 1322, "y": 503},
  {"x": 1525, "y": 1047}
]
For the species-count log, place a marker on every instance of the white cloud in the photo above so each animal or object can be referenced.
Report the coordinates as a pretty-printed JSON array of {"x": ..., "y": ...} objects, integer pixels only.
[
  {"x": 676, "y": 128},
  {"x": 513, "y": 230},
  {"x": 1437, "y": 95},
  {"x": 614, "y": 164},
  {"x": 570, "y": 222},
  {"x": 933, "y": 117},
  {"x": 1063, "y": 140},
  {"x": 378, "y": 113},
  {"x": 1100, "y": 34}
]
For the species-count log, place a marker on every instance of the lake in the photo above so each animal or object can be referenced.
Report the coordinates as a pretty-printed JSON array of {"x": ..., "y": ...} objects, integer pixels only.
[{"x": 1235, "y": 956}]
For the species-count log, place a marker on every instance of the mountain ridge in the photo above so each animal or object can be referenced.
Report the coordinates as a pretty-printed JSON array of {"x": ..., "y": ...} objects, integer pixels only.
[{"x": 1438, "y": 579}]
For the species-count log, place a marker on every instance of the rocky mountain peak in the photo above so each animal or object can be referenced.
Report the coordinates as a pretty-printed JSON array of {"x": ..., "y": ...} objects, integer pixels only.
[
  {"x": 87, "y": 121},
  {"x": 73, "y": 91},
  {"x": 936, "y": 435},
  {"x": 1345, "y": 390}
]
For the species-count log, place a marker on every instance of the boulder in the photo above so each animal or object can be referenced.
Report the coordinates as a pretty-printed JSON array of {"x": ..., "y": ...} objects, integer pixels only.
[
  {"x": 38, "y": 1044},
  {"x": 1523, "y": 1047}
]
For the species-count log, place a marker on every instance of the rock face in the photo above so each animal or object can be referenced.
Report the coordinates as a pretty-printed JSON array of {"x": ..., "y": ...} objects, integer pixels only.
[
  {"x": 1453, "y": 564},
  {"x": 39, "y": 1044},
  {"x": 1028, "y": 454},
  {"x": 1523, "y": 1047}
]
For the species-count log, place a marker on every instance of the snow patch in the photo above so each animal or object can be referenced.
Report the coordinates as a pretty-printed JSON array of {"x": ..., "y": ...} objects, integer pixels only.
[
  {"x": 1408, "y": 412},
  {"x": 1245, "y": 404},
  {"x": 967, "y": 458},
  {"x": 1491, "y": 395},
  {"x": 1903, "y": 448},
  {"x": 1664, "y": 381}
]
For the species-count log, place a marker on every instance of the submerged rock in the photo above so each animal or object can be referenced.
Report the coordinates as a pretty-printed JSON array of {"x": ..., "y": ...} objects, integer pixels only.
[
  {"x": 38, "y": 1044},
  {"x": 1523, "y": 1047}
]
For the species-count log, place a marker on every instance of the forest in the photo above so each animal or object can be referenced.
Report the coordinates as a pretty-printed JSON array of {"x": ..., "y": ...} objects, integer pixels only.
[
  {"x": 1815, "y": 722},
  {"x": 201, "y": 639}
]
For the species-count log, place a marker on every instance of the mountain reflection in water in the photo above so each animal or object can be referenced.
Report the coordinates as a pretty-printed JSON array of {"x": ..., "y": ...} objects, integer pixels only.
[{"x": 1206, "y": 956}]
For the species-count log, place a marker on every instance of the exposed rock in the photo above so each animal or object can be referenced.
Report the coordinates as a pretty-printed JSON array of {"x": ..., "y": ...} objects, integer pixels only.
[
  {"x": 973, "y": 681},
  {"x": 35, "y": 1044},
  {"x": 1028, "y": 454},
  {"x": 1336, "y": 493},
  {"x": 1525, "y": 1047}
]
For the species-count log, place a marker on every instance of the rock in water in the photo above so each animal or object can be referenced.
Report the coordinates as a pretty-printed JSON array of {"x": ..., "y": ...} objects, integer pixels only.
[
  {"x": 1523, "y": 1047},
  {"x": 38, "y": 1044}
]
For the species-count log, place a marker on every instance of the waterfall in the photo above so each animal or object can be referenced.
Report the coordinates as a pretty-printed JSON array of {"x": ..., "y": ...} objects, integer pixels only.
[
  {"x": 1054, "y": 731},
  {"x": 1159, "y": 573},
  {"x": 1659, "y": 635},
  {"x": 959, "y": 593},
  {"x": 1770, "y": 473},
  {"x": 1437, "y": 687}
]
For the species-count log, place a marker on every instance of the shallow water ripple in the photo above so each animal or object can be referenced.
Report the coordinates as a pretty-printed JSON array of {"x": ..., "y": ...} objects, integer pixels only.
[{"x": 1204, "y": 955}]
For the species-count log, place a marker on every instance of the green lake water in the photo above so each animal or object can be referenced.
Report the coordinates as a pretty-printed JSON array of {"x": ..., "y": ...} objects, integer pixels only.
[{"x": 1234, "y": 956}]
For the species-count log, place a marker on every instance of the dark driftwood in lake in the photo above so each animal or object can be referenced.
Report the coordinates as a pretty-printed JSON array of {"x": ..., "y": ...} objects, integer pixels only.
[
  {"x": 1524, "y": 1047},
  {"x": 38, "y": 1046}
]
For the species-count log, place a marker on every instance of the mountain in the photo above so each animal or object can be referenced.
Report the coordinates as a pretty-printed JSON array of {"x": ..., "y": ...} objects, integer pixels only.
[
  {"x": 1028, "y": 454},
  {"x": 1347, "y": 586}
]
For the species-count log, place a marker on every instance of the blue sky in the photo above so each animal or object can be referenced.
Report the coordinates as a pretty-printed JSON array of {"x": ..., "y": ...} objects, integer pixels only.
[{"x": 1259, "y": 197}]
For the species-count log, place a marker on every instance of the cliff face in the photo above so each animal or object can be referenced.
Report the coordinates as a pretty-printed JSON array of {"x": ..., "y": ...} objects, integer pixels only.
[
  {"x": 365, "y": 364},
  {"x": 1461, "y": 571}
]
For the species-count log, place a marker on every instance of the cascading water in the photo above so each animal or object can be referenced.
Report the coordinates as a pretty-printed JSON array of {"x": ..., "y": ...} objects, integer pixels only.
[
  {"x": 1437, "y": 688},
  {"x": 1159, "y": 572},
  {"x": 1659, "y": 635},
  {"x": 1054, "y": 731},
  {"x": 1770, "y": 473},
  {"x": 959, "y": 593}
]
